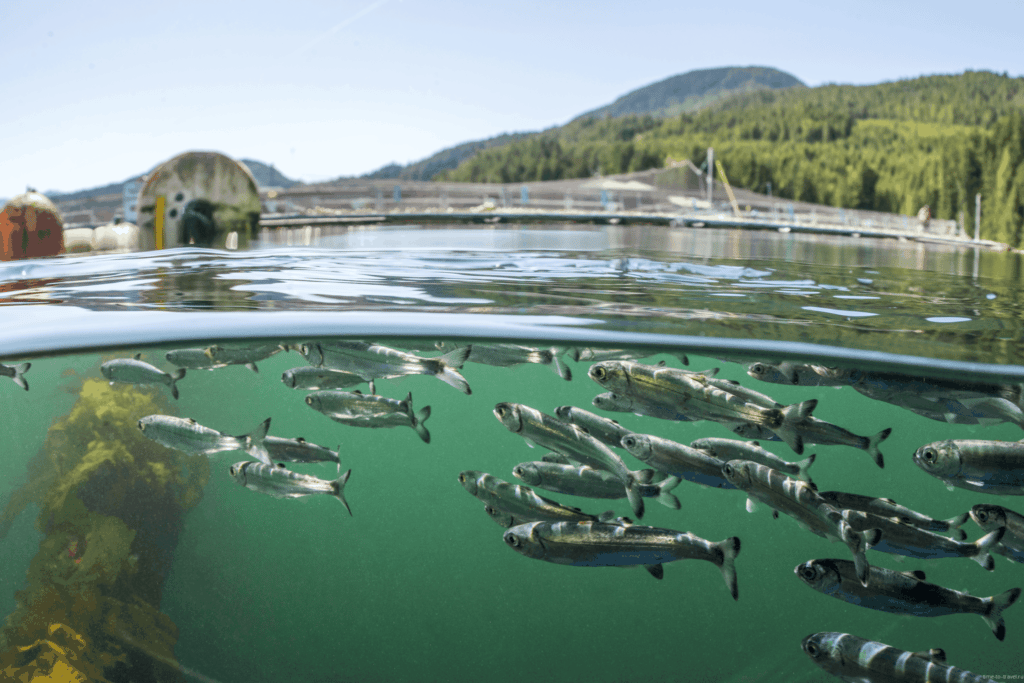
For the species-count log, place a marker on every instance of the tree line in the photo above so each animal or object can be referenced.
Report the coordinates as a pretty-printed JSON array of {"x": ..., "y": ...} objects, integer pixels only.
[{"x": 935, "y": 140}]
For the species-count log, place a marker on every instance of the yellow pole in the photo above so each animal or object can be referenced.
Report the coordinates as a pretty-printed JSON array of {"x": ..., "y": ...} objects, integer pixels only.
[
  {"x": 728, "y": 188},
  {"x": 158, "y": 229}
]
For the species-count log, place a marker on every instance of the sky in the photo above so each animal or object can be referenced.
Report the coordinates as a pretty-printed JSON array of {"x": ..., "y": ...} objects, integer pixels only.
[{"x": 101, "y": 92}]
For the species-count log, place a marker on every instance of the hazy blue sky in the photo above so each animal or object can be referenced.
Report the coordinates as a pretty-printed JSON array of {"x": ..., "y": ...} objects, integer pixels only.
[{"x": 98, "y": 92}]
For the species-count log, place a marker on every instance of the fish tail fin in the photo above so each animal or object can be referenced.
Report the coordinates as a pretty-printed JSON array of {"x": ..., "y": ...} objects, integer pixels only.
[
  {"x": 792, "y": 415},
  {"x": 730, "y": 548},
  {"x": 173, "y": 381},
  {"x": 338, "y": 489},
  {"x": 664, "y": 496},
  {"x": 254, "y": 445},
  {"x": 446, "y": 371},
  {"x": 802, "y": 468},
  {"x": 19, "y": 375},
  {"x": 574, "y": 353},
  {"x": 985, "y": 544},
  {"x": 561, "y": 369},
  {"x": 418, "y": 420},
  {"x": 252, "y": 366},
  {"x": 858, "y": 543},
  {"x": 872, "y": 447},
  {"x": 636, "y": 500},
  {"x": 954, "y": 524},
  {"x": 994, "y": 607},
  {"x": 457, "y": 357}
]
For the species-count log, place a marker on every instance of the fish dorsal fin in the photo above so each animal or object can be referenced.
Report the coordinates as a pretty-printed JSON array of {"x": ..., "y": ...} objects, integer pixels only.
[
  {"x": 661, "y": 364},
  {"x": 138, "y": 356},
  {"x": 300, "y": 440},
  {"x": 916, "y": 574},
  {"x": 356, "y": 391},
  {"x": 656, "y": 570}
]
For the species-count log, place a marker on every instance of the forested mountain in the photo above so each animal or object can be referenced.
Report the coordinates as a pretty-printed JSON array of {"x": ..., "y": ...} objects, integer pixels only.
[
  {"x": 445, "y": 160},
  {"x": 695, "y": 90},
  {"x": 935, "y": 140}
]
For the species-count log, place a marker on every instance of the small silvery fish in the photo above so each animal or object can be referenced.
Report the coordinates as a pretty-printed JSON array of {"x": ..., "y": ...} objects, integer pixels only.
[
  {"x": 16, "y": 373},
  {"x": 188, "y": 436},
  {"x": 569, "y": 440},
  {"x": 890, "y": 535},
  {"x": 373, "y": 361},
  {"x": 731, "y": 449},
  {"x": 976, "y": 465},
  {"x": 618, "y": 403},
  {"x": 798, "y": 374},
  {"x": 597, "y": 544},
  {"x": 193, "y": 359},
  {"x": 992, "y": 517},
  {"x": 903, "y": 593},
  {"x": 677, "y": 460},
  {"x": 608, "y": 432},
  {"x": 887, "y": 507},
  {"x": 815, "y": 431},
  {"x": 796, "y": 499},
  {"x": 313, "y": 379},
  {"x": 507, "y": 355},
  {"x": 594, "y": 355},
  {"x": 698, "y": 397},
  {"x": 136, "y": 371},
  {"x": 275, "y": 480},
  {"x": 370, "y": 411},
  {"x": 867, "y": 661},
  {"x": 299, "y": 450},
  {"x": 587, "y": 482},
  {"x": 242, "y": 355},
  {"x": 518, "y": 501}
]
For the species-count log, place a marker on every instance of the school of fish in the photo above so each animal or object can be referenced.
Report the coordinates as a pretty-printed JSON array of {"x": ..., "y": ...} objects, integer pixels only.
[{"x": 586, "y": 457}]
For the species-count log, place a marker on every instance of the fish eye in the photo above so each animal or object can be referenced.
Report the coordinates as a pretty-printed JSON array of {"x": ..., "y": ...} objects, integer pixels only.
[
  {"x": 727, "y": 470},
  {"x": 231, "y": 470},
  {"x": 929, "y": 455},
  {"x": 981, "y": 515},
  {"x": 811, "y": 649},
  {"x": 757, "y": 368},
  {"x": 501, "y": 410},
  {"x": 517, "y": 471},
  {"x": 599, "y": 373},
  {"x": 462, "y": 478},
  {"x": 512, "y": 540},
  {"x": 628, "y": 441},
  {"x": 807, "y": 572},
  {"x": 309, "y": 400}
]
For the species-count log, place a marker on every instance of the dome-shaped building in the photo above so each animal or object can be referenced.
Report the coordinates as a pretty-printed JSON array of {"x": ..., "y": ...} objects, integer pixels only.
[{"x": 30, "y": 225}]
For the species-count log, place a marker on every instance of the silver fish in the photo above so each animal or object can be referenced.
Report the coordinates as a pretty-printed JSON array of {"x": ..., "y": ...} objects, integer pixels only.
[
  {"x": 903, "y": 593},
  {"x": 976, "y": 465},
  {"x": 608, "y": 432},
  {"x": 312, "y": 379},
  {"x": 796, "y": 499},
  {"x": 507, "y": 355},
  {"x": 890, "y": 535},
  {"x": 372, "y": 361},
  {"x": 587, "y": 482},
  {"x": 16, "y": 373},
  {"x": 677, "y": 460},
  {"x": 188, "y": 436},
  {"x": 596, "y": 544},
  {"x": 731, "y": 449},
  {"x": 815, "y": 431},
  {"x": 242, "y": 355},
  {"x": 518, "y": 501},
  {"x": 194, "y": 359},
  {"x": 299, "y": 450},
  {"x": 887, "y": 507},
  {"x": 867, "y": 661},
  {"x": 371, "y": 411},
  {"x": 799, "y": 374},
  {"x": 991, "y": 517},
  {"x": 694, "y": 395},
  {"x": 275, "y": 480},
  {"x": 136, "y": 371},
  {"x": 568, "y": 439},
  {"x": 618, "y": 403}
]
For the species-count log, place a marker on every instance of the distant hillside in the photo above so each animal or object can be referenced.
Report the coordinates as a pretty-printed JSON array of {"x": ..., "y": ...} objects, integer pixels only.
[
  {"x": 695, "y": 90},
  {"x": 445, "y": 160},
  {"x": 268, "y": 176}
]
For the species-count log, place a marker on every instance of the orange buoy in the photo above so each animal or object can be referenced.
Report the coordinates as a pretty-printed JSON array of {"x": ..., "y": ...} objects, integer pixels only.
[{"x": 30, "y": 225}]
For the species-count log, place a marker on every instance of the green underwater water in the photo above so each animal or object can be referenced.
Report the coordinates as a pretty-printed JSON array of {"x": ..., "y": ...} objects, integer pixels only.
[{"x": 418, "y": 584}]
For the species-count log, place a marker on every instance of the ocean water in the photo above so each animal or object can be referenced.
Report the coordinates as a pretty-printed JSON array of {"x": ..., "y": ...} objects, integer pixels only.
[{"x": 418, "y": 584}]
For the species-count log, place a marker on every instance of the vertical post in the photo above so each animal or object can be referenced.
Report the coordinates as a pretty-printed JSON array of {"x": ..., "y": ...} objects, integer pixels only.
[
  {"x": 711, "y": 174},
  {"x": 977, "y": 217},
  {"x": 158, "y": 220},
  {"x": 525, "y": 195}
]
